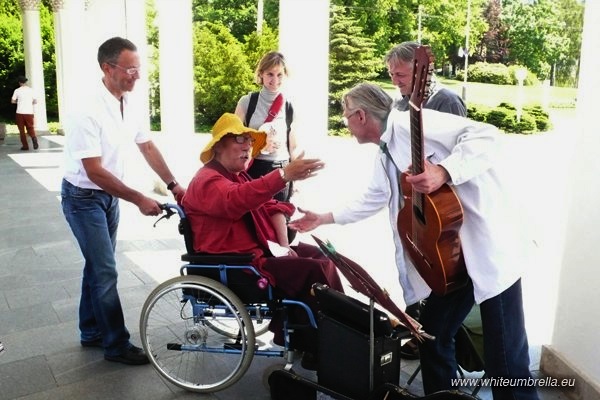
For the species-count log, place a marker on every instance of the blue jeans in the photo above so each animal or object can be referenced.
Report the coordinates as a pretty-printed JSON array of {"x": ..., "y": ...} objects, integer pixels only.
[
  {"x": 505, "y": 340},
  {"x": 93, "y": 216}
]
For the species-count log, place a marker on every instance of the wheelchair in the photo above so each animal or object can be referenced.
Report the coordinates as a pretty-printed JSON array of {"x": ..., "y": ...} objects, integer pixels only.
[{"x": 199, "y": 329}]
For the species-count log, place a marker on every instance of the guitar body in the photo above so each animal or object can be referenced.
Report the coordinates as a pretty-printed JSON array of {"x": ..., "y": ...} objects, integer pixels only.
[{"x": 431, "y": 237}]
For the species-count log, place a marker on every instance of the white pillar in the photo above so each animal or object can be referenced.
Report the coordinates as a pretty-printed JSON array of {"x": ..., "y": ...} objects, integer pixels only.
[
  {"x": 69, "y": 40},
  {"x": 176, "y": 66},
  {"x": 304, "y": 40},
  {"x": 575, "y": 338},
  {"x": 34, "y": 70},
  {"x": 124, "y": 18}
]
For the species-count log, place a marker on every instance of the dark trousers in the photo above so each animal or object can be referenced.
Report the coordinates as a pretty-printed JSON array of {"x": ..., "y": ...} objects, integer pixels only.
[
  {"x": 25, "y": 122},
  {"x": 506, "y": 351}
]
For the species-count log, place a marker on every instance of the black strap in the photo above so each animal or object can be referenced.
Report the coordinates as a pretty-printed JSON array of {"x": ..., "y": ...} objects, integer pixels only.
[{"x": 251, "y": 107}]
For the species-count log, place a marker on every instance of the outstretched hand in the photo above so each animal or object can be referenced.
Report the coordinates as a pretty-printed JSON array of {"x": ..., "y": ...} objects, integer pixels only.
[
  {"x": 310, "y": 221},
  {"x": 302, "y": 168}
]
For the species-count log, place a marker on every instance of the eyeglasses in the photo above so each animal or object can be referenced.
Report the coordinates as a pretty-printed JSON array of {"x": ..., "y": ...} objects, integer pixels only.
[
  {"x": 128, "y": 71},
  {"x": 345, "y": 118},
  {"x": 242, "y": 139}
]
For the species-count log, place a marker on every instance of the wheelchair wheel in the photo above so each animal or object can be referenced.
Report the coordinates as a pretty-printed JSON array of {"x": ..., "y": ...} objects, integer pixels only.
[
  {"x": 259, "y": 314},
  {"x": 183, "y": 347}
]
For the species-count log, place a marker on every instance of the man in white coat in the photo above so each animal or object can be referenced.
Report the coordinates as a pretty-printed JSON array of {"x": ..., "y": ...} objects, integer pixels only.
[{"x": 459, "y": 152}]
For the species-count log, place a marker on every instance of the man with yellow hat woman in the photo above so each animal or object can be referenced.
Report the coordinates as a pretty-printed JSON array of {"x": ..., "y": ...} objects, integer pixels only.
[{"x": 230, "y": 212}]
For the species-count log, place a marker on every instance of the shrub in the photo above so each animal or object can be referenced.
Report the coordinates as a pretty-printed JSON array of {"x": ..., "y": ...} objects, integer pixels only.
[
  {"x": 533, "y": 117},
  {"x": 498, "y": 74},
  {"x": 478, "y": 112},
  {"x": 497, "y": 116},
  {"x": 221, "y": 73},
  {"x": 526, "y": 125},
  {"x": 530, "y": 78}
]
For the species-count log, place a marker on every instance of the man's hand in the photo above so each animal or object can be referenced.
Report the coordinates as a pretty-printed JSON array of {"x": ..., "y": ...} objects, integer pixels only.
[
  {"x": 310, "y": 221},
  {"x": 148, "y": 206},
  {"x": 430, "y": 180}
]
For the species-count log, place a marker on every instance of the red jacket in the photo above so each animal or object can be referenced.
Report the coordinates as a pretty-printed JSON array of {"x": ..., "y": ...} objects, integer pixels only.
[{"x": 231, "y": 213}]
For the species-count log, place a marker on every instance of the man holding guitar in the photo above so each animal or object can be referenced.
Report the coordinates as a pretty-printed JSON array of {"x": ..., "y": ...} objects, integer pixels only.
[
  {"x": 458, "y": 152},
  {"x": 399, "y": 63}
]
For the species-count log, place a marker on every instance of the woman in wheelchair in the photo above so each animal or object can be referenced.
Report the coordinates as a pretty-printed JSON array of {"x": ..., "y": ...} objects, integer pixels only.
[{"x": 229, "y": 212}]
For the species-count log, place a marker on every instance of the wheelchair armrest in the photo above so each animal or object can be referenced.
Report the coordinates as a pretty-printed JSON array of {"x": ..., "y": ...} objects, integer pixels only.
[{"x": 218, "y": 259}]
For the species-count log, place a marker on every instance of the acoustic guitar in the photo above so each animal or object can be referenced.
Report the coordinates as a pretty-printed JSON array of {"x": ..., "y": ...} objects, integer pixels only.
[{"x": 429, "y": 223}]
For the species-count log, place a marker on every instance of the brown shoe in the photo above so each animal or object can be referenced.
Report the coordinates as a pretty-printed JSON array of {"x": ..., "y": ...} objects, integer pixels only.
[
  {"x": 35, "y": 143},
  {"x": 25, "y": 148}
]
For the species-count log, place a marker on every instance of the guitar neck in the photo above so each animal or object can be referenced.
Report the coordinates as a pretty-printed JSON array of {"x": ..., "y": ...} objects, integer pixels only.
[
  {"x": 417, "y": 154},
  {"x": 416, "y": 140}
]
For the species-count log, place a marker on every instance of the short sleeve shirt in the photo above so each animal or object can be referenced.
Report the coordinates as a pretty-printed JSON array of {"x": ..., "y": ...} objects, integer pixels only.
[{"x": 100, "y": 130}]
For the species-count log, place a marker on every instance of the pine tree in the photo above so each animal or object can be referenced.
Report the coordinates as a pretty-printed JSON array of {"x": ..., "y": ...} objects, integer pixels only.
[{"x": 351, "y": 60}]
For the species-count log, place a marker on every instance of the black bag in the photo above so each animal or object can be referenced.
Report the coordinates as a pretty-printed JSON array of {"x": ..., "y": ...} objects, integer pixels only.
[{"x": 286, "y": 385}]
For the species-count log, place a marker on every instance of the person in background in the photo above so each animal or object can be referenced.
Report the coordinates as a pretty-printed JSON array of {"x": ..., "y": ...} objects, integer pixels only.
[
  {"x": 24, "y": 98},
  {"x": 268, "y": 110},
  {"x": 229, "y": 212},
  {"x": 399, "y": 62},
  {"x": 462, "y": 153},
  {"x": 98, "y": 137}
]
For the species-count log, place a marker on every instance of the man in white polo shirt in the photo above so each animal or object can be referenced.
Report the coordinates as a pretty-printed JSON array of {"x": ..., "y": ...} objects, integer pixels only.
[
  {"x": 97, "y": 139},
  {"x": 24, "y": 98}
]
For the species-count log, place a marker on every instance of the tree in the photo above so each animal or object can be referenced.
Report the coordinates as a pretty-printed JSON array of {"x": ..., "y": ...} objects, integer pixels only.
[
  {"x": 571, "y": 12},
  {"x": 385, "y": 22},
  {"x": 351, "y": 58},
  {"x": 536, "y": 34},
  {"x": 444, "y": 27},
  {"x": 257, "y": 45},
  {"x": 239, "y": 16},
  {"x": 221, "y": 71},
  {"x": 11, "y": 61},
  {"x": 493, "y": 45}
]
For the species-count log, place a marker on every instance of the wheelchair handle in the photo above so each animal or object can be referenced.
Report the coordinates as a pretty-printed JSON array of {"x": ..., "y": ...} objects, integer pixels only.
[{"x": 170, "y": 210}]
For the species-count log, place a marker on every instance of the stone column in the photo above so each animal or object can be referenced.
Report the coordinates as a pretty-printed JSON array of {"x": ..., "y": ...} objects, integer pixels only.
[
  {"x": 34, "y": 70},
  {"x": 176, "y": 66},
  {"x": 69, "y": 40},
  {"x": 125, "y": 18},
  {"x": 304, "y": 40},
  {"x": 574, "y": 350}
]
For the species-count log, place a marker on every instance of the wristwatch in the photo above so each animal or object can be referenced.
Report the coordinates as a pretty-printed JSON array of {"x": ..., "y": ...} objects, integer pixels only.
[{"x": 172, "y": 185}]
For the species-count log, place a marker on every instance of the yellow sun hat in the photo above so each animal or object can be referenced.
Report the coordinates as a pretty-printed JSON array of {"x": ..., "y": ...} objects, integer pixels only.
[{"x": 231, "y": 123}]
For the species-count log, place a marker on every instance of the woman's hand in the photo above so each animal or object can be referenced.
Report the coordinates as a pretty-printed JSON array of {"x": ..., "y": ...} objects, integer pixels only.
[{"x": 302, "y": 168}]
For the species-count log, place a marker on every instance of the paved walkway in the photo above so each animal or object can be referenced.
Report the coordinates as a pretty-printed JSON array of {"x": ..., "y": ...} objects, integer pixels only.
[{"x": 40, "y": 273}]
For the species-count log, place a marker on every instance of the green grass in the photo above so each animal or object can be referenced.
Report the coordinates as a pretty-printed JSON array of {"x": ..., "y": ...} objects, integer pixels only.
[
  {"x": 492, "y": 95},
  {"x": 559, "y": 100}
]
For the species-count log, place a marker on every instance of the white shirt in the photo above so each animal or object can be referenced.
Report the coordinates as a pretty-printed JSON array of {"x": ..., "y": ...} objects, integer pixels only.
[
  {"x": 492, "y": 245},
  {"x": 99, "y": 130},
  {"x": 24, "y": 96}
]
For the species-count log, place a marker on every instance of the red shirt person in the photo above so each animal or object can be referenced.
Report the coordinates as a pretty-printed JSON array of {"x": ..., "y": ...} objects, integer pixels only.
[{"x": 231, "y": 212}]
